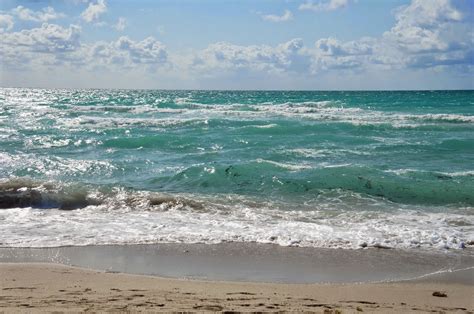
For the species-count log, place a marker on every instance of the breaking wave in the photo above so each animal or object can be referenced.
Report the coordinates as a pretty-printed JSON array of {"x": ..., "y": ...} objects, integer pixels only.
[{"x": 39, "y": 214}]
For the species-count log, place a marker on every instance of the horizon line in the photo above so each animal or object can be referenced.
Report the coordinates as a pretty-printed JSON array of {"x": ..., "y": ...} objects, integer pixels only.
[{"x": 241, "y": 90}]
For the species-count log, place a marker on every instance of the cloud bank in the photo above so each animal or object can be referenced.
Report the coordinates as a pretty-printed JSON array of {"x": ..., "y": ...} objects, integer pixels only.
[{"x": 427, "y": 35}]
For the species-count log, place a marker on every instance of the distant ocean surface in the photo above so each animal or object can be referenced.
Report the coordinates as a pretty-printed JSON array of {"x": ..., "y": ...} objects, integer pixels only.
[{"x": 317, "y": 169}]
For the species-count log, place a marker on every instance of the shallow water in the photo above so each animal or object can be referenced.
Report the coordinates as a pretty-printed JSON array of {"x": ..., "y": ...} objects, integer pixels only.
[{"x": 320, "y": 169}]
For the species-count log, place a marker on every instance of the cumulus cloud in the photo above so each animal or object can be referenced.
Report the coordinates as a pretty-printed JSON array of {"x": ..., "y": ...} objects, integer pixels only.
[
  {"x": 121, "y": 24},
  {"x": 333, "y": 54},
  {"x": 328, "y": 5},
  {"x": 425, "y": 35},
  {"x": 49, "y": 38},
  {"x": 44, "y": 15},
  {"x": 427, "y": 14},
  {"x": 224, "y": 56},
  {"x": 147, "y": 51},
  {"x": 287, "y": 16},
  {"x": 431, "y": 34},
  {"x": 286, "y": 58},
  {"x": 94, "y": 11},
  {"x": 6, "y": 22},
  {"x": 49, "y": 44},
  {"x": 52, "y": 44},
  {"x": 333, "y": 47},
  {"x": 424, "y": 26}
]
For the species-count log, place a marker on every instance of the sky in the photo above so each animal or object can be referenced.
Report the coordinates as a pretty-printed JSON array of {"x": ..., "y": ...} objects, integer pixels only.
[{"x": 238, "y": 44}]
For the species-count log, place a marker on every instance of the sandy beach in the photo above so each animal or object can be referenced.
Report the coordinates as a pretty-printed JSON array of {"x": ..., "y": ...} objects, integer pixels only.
[
  {"x": 51, "y": 287},
  {"x": 237, "y": 156},
  {"x": 233, "y": 277}
]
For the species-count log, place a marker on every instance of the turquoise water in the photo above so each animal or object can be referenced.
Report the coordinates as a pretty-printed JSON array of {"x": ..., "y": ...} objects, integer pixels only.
[{"x": 329, "y": 169}]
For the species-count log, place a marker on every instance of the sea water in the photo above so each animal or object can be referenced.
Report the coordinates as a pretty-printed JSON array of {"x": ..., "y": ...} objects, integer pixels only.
[{"x": 334, "y": 169}]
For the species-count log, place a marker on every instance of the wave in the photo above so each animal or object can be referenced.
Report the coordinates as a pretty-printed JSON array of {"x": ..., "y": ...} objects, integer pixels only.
[
  {"x": 272, "y": 178},
  {"x": 184, "y": 111},
  {"x": 114, "y": 215},
  {"x": 85, "y": 122},
  {"x": 437, "y": 174},
  {"x": 443, "y": 117},
  {"x": 24, "y": 192},
  {"x": 28, "y": 193},
  {"x": 324, "y": 169},
  {"x": 297, "y": 180},
  {"x": 291, "y": 167}
]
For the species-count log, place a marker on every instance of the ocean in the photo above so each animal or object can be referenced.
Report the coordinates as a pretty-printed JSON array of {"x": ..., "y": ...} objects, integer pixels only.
[{"x": 331, "y": 169}]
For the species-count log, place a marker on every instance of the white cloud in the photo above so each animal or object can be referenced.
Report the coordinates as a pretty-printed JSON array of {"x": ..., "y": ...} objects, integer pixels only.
[
  {"x": 38, "y": 47},
  {"x": 431, "y": 34},
  {"x": 53, "y": 44},
  {"x": 287, "y": 16},
  {"x": 426, "y": 35},
  {"x": 333, "y": 47},
  {"x": 327, "y": 54},
  {"x": 147, "y": 51},
  {"x": 47, "y": 38},
  {"x": 424, "y": 13},
  {"x": 327, "y": 5},
  {"x": 6, "y": 22},
  {"x": 333, "y": 54},
  {"x": 44, "y": 15},
  {"x": 424, "y": 26},
  {"x": 225, "y": 57},
  {"x": 94, "y": 11},
  {"x": 121, "y": 24}
]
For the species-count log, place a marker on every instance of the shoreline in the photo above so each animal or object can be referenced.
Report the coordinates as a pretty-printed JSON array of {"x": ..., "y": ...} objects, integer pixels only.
[
  {"x": 36, "y": 287},
  {"x": 260, "y": 263},
  {"x": 233, "y": 277}
]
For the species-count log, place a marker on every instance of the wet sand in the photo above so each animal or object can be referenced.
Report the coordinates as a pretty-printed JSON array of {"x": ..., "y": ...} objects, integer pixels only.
[
  {"x": 336, "y": 280},
  {"x": 50, "y": 287},
  {"x": 252, "y": 262}
]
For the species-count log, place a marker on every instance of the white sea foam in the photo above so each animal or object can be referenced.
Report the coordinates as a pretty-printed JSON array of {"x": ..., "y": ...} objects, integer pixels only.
[
  {"x": 98, "y": 123},
  {"x": 28, "y": 112},
  {"x": 38, "y": 141},
  {"x": 333, "y": 219},
  {"x": 265, "y": 126},
  {"x": 328, "y": 111},
  {"x": 288, "y": 166},
  {"x": 55, "y": 166},
  {"x": 443, "y": 117},
  {"x": 325, "y": 152},
  {"x": 127, "y": 219},
  {"x": 128, "y": 109},
  {"x": 459, "y": 173},
  {"x": 448, "y": 174}
]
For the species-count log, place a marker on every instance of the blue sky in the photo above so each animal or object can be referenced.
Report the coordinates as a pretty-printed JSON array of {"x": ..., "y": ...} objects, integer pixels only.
[{"x": 252, "y": 44}]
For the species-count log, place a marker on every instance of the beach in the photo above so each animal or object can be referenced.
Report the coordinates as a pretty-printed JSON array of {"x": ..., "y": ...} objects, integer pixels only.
[
  {"x": 236, "y": 200},
  {"x": 237, "y": 156},
  {"x": 233, "y": 277},
  {"x": 52, "y": 287}
]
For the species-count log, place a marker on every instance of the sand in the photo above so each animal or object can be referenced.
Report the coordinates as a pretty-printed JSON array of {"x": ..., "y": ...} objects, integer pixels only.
[
  {"x": 234, "y": 277},
  {"x": 254, "y": 262},
  {"x": 42, "y": 287}
]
